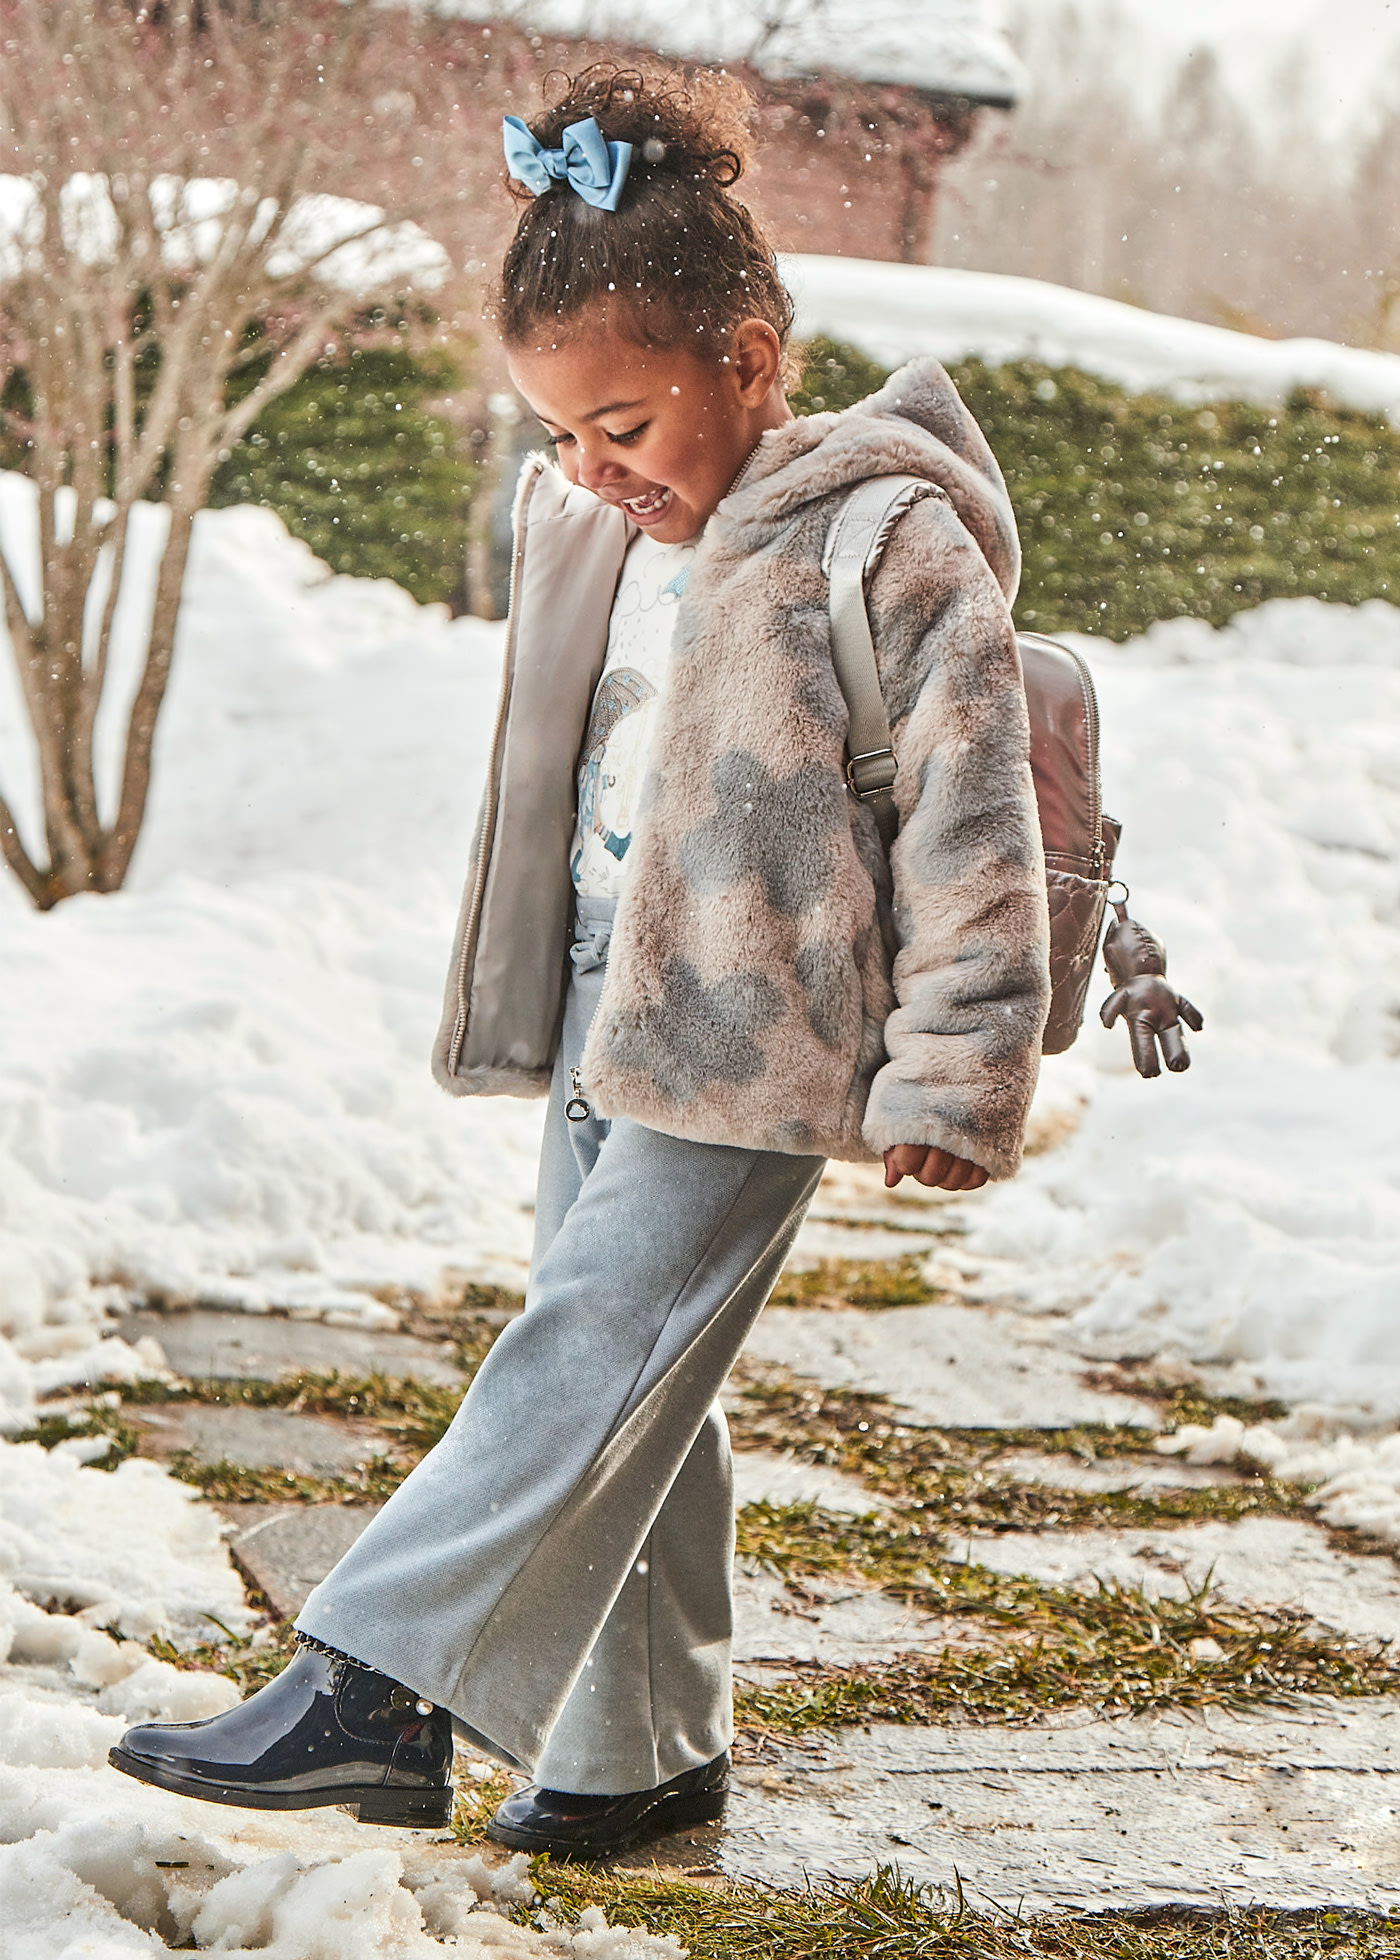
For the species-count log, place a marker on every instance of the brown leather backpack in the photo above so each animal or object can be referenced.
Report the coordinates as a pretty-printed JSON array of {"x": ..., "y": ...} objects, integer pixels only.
[{"x": 1080, "y": 841}]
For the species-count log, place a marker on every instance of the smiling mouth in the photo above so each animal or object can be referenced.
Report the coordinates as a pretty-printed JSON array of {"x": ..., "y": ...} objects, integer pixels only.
[{"x": 651, "y": 505}]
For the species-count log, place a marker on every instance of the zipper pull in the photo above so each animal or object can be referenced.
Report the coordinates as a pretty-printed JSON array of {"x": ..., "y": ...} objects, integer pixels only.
[{"x": 576, "y": 1108}]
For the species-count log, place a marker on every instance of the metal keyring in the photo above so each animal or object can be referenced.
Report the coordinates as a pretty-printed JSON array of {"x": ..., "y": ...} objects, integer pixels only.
[{"x": 1117, "y": 885}]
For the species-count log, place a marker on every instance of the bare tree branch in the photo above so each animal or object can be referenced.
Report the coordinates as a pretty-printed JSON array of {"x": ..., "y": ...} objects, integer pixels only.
[
  {"x": 13, "y": 851},
  {"x": 169, "y": 160}
]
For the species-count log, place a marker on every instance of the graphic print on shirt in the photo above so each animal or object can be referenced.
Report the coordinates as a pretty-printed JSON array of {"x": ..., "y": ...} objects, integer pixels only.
[
  {"x": 613, "y": 764},
  {"x": 620, "y": 693}
]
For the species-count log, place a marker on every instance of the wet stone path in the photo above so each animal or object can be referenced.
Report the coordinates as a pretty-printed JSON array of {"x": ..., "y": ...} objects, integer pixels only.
[{"x": 870, "y": 1731}]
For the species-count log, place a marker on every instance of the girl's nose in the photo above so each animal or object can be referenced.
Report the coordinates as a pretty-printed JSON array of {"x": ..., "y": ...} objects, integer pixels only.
[{"x": 595, "y": 470}]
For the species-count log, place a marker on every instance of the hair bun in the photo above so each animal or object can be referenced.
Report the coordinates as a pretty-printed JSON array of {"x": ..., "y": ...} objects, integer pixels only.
[
  {"x": 693, "y": 126},
  {"x": 680, "y": 261}
]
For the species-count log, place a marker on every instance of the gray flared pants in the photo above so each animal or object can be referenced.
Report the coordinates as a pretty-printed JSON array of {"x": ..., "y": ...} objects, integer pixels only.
[{"x": 557, "y": 1571}]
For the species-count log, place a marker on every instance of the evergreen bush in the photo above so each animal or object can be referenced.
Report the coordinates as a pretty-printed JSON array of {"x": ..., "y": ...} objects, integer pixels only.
[
  {"x": 354, "y": 463},
  {"x": 1134, "y": 508}
]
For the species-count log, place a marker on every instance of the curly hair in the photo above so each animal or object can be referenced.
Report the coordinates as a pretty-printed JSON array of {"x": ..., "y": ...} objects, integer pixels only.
[{"x": 680, "y": 262}]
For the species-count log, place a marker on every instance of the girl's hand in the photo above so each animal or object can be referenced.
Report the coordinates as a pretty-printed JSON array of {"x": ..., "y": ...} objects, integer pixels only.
[{"x": 937, "y": 1168}]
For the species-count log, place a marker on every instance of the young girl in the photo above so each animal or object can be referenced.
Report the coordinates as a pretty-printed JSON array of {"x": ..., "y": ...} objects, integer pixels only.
[{"x": 681, "y": 928}]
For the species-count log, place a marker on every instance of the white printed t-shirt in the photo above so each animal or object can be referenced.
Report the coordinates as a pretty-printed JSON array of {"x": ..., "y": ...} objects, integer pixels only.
[{"x": 613, "y": 765}]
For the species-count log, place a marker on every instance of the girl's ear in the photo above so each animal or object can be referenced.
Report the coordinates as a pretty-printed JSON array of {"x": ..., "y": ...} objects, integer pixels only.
[{"x": 756, "y": 359}]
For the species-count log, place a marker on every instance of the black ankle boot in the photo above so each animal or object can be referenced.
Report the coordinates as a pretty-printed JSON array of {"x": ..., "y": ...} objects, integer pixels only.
[
  {"x": 589, "y": 1828},
  {"x": 326, "y": 1731}
]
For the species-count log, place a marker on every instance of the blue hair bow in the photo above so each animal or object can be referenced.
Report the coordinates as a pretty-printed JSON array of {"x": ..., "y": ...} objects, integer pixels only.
[{"x": 586, "y": 161}]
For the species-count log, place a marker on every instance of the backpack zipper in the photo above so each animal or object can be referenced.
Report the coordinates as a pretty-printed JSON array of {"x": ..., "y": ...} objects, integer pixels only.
[{"x": 1091, "y": 721}]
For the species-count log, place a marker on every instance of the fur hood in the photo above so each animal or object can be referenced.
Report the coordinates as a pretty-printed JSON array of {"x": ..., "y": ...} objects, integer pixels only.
[{"x": 774, "y": 981}]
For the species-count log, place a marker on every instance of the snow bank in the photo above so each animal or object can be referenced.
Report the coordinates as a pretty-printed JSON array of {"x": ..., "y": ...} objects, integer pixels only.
[
  {"x": 1246, "y": 1214},
  {"x": 1357, "y": 1478},
  {"x": 129, "y": 1548},
  {"x": 81, "y": 1875},
  {"x": 214, "y": 1085},
  {"x": 893, "y": 312}
]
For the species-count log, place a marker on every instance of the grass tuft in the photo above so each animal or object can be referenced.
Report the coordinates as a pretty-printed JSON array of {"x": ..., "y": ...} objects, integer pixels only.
[
  {"x": 887, "y": 1916},
  {"x": 952, "y": 1476},
  {"x": 250, "y": 1661},
  {"x": 849, "y": 1283},
  {"x": 477, "y": 1800},
  {"x": 1039, "y": 1647}
]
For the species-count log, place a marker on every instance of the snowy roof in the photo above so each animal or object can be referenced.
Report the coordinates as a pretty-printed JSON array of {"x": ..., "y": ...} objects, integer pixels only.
[{"x": 943, "y": 46}]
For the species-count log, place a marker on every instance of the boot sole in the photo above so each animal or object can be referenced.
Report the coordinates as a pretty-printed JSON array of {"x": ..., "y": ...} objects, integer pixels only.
[
  {"x": 662, "y": 1820},
  {"x": 422, "y": 1810}
]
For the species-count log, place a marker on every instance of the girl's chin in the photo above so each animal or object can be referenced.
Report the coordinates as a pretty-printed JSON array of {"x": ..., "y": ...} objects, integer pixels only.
[{"x": 677, "y": 524}]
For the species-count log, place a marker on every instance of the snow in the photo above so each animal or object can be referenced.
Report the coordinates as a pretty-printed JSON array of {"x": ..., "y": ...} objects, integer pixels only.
[
  {"x": 127, "y": 1549},
  {"x": 213, "y": 1086},
  {"x": 81, "y": 1875},
  {"x": 944, "y": 46},
  {"x": 894, "y": 312},
  {"x": 1245, "y": 1214}
]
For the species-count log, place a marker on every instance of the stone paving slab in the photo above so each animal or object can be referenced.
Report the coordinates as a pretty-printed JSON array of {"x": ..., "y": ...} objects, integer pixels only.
[
  {"x": 1269, "y": 1562},
  {"x": 260, "y": 1439},
  {"x": 838, "y": 1622},
  {"x": 260, "y": 1347},
  {"x": 768, "y": 1477},
  {"x": 1295, "y": 1809},
  {"x": 967, "y": 1367},
  {"x": 286, "y": 1549}
]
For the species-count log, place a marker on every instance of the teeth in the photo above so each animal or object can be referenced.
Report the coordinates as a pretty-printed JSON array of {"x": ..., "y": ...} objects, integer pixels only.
[{"x": 646, "y": 506}]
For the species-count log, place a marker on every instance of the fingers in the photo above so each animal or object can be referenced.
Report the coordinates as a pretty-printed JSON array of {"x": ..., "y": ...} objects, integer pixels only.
[
  {"x": 903, "y": 1160},
  {"x": 1189, "y": 1014},
  {"x": 1174, "y": 1049},
  {"x": 938, "y": 1169},
  {"x": 936, "y": 1166},
  {"x": 1144, "y": 1047},
  {"x": 963, "y": 1176}
]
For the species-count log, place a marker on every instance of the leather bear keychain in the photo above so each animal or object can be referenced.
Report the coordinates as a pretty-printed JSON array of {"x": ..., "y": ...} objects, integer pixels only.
[{"x": 1137, "y": 965}]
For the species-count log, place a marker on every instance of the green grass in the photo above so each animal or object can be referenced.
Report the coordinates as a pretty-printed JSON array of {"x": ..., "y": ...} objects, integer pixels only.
[
  {"x": 849, "y": 1283},
  {"x": 248, "y": 1662},
  {"x": 1135, "y": 508},
  {"x": 952, "y": 1480},
  {"x": 888, "y": 1917},
  {"x": 1039, "y": 1646}
]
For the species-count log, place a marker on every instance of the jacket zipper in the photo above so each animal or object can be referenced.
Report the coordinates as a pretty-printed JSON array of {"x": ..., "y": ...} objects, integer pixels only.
[
  {"x": 576, "y": 1108},
  {"x": 493, "y": 785}
]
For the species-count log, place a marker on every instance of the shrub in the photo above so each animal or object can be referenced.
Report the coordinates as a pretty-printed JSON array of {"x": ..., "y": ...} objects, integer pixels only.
[
  {"x": 1134, "y": 508},
  {"x": 354, "y": 463}
]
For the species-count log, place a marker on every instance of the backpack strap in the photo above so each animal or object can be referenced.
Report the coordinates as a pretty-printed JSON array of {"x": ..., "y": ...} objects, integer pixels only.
[{"x": 853, "y": 549}]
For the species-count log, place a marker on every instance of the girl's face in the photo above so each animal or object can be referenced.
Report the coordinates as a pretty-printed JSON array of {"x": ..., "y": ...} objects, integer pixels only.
[{"x": 662, "y": 432}]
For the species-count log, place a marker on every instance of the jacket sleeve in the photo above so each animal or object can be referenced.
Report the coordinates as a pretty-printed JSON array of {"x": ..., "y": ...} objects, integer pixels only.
[{"x": 971, "y": 967}]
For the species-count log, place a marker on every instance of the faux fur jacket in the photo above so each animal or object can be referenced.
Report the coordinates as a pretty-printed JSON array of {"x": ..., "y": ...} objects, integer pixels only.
[{"x": 769, "y": 984}]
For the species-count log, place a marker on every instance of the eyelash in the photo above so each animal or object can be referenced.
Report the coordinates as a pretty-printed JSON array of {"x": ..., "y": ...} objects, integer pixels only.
[{"x": 624, "y": 441}]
